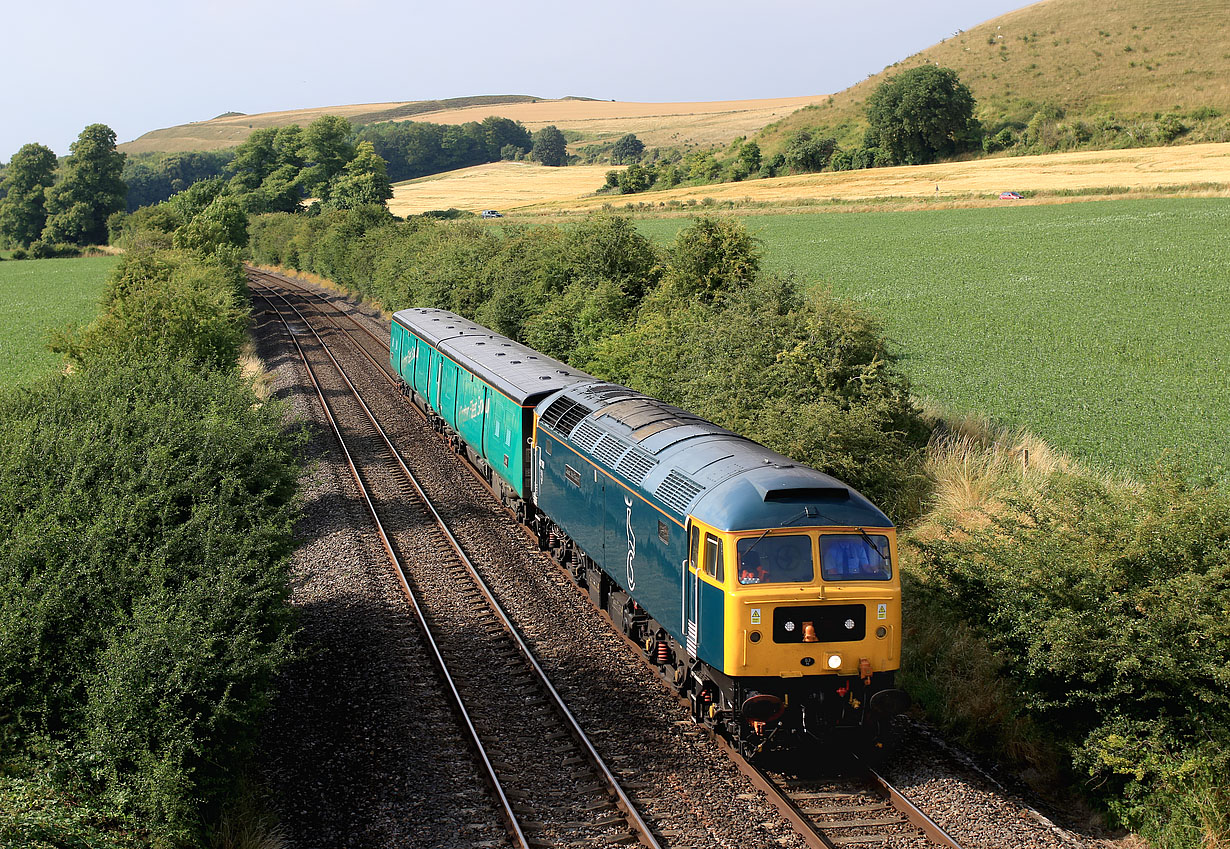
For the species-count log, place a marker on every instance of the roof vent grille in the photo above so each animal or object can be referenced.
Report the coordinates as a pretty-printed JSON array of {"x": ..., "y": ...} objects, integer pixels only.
[{"x": 677, "y": 491}]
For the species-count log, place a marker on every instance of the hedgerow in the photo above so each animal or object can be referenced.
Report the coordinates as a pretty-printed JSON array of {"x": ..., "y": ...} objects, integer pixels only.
[
  {"x": 147, "y": 505},
  {"x": 698, "y": 324}
]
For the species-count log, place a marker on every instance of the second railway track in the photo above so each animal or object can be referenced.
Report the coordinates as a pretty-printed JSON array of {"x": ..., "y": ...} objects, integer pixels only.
[
  {"x": 823, "y": 811},
  {"x": 554, "y": 788}
]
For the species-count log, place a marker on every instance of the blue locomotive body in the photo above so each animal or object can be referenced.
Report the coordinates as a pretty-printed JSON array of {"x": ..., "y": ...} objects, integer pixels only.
[{"x": 765, "y": 591}]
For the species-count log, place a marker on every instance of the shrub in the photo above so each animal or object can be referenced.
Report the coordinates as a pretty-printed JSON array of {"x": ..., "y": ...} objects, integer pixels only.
[
  {"x": 147, "y": 515},
  {"x": 1106, "y": 604}
]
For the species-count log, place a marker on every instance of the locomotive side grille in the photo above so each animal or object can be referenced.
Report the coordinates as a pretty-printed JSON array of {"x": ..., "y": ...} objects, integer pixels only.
[
  {"x": 609, "y": 448},
  {"x": 564, "y": 414},
  {"x": 678, "y": 491},
  {"x": 635, "y": 465},
  {"x": 587, "y": 436}
]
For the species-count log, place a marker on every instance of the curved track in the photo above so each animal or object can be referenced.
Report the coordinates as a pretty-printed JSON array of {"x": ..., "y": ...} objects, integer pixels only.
[
  {"x": 826, "y": 810},
  {"x": 471, "y": 638}
]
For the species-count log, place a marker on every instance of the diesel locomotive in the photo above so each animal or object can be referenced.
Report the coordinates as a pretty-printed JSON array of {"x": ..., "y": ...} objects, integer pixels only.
[{"x": 765, "y": 591}]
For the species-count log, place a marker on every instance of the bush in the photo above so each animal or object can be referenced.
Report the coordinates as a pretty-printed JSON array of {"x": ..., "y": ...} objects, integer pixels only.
[
  {"x": 1107, "y": 605},
  {"x": 147, "y": 515}
]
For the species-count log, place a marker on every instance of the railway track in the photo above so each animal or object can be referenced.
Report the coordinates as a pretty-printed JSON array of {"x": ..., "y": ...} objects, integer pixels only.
[
  {"x": 826, "y": 810},
  {"x": 550, "y": 782}
]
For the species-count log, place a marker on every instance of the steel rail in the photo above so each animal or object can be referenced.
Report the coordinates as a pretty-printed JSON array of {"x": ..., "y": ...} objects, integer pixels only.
[
  {"x": 624, "y": 802},
  {"x": 508, "y": 814},
  {"x": 807, "y": 828}
]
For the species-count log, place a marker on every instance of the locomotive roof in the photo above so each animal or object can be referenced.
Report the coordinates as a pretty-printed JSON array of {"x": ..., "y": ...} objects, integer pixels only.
[
  {"x": 521, "y": 373},
  {"x": 696, "y": 467}
]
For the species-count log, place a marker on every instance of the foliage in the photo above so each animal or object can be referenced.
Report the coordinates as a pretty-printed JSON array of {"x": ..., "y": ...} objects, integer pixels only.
[
  {"x": 153, "y": 178},
  {"x": 627, "y": 148},
  {"x": 417, "y": 148},
  {"x": 23, "y": 210},
  {"x": 90, "y": 189},
  {"x": 812, "y": 378},
  {"x": 362, "y": 182},
  {"x": 1108, "y": 605},
  {"x": 923, "y": 114},
  {"x": 808, "y": 151},
  {"x": 550, "y": 147},
  {"x": 326, "y": 150},
  {"x": 168, "y": 303},
  {"x": 147, "y": 513}
]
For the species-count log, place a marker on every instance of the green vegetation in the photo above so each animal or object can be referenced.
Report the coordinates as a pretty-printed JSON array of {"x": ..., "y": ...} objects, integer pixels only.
[
  {"x": 23, "y": 201},
  {"x": 1098, "y": 326},
  {"x": 146, "y": 502},
  {"x": 550, "y": 148},
  {"x": 921, "y": 115},
  {"x": 809, "y": 376},
  {"x": 38, "y": 299},
  {"x": 1077, "y": 626},
  {"x": 418, "y": 148},
  {"x": 1071, "y": 623},
  {"x": 89, "y": 189},
  {"x": 152, "y": 178}
]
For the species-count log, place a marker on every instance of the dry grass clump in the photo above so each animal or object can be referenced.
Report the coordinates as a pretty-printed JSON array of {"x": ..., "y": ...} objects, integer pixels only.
[{"x": 973, "y": 464}]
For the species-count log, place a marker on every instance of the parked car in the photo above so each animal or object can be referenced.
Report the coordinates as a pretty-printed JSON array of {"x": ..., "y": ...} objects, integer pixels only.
[
  {"x": 1002, "y": 196},
  {"x": 491, "y": 213}
]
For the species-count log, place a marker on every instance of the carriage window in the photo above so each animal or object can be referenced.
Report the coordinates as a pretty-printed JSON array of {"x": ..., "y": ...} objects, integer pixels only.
[
  {"x": 713, "y": 558},
  {"x": 775, "y": 560},
  {"x": 852, "y": 557}
]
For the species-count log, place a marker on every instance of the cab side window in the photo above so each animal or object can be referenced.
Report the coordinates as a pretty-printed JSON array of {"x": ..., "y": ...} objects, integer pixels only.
[
  {"x": 694, "y": 548},
  {"x": 713, "y": 558}
]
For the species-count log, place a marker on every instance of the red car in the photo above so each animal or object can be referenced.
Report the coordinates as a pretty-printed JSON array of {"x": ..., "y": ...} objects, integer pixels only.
[{"x": 1009, "y": 196}]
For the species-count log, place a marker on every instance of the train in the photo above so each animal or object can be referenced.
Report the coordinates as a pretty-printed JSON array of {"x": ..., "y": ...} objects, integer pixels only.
[{"x": 765, "y": 592}]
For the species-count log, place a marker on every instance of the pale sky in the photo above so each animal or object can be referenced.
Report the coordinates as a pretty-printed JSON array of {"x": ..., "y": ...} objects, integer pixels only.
[{"x": 140, "y": 65}]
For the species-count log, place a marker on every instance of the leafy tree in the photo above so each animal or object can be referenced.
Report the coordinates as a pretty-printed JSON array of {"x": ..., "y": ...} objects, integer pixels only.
[
  {"x": 635, "y": 178},
  {"x": 222, "y": 223},
  {"x": 500, "y": 133},
  {"x": 364, "y": 181},
  {"x": 152, "y": 178},
  {"x": 922, "y": 114},
  {"x": 550, "y": 147},
  {"x": 808, "y": 151},
  {"x": 91, "y": 189},
  {"x": 712, "y": 257},
  {"x": 23, "y": 210},
  {"x": 326, "y": 150},
  {"x": 627, "y": 149},
  {"x": 749, "y": 155}
]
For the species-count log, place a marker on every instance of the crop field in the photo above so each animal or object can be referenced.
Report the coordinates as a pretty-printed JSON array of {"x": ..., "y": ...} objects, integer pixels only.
[
  {"x": 38, "y": 297},
  {"x": 1102, "y": 327},
  {"x": 498, "y": 185},
  {"x": 1181, "y": 169}
]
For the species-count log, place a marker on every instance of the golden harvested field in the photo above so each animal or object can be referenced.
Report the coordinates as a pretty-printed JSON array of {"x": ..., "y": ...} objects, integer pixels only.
[
  {"x": 656, "y": 124},
  {"x": 1160, "y": 169},
  {"x": 499, "y": 185}
]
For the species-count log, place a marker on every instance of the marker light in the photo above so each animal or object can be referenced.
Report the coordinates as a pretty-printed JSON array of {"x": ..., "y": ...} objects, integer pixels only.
[{"x": 834, "y": 661}]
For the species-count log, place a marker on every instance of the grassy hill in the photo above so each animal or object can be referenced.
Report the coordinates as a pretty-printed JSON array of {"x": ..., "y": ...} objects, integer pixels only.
[{"x": 1090, "y": 59}]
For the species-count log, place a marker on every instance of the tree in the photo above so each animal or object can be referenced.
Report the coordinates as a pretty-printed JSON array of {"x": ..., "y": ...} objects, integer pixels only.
[
  {"x": 499, "y": 133},
  {"x": 749, "y": 155},
  {"x": 806, "y": 151},
  {"x": 922, "y": 114},
  {"x": 326, "y": 150},
  {"x": 550, "y": 147},
  {"x": 92, "y": 189},
  {"x": 712, "y": 257},
  {"x": 23, "y": 210},
  {"x": 627, "y": 149},
  {"x": 363, "y": 181}
]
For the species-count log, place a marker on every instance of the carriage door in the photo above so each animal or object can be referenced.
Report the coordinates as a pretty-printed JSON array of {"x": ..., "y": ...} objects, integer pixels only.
[{"x": 691, "y": 589}]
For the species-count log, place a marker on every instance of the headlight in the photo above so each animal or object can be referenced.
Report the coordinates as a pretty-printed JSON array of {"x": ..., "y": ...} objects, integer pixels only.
[{"x": 834, "y": 661}]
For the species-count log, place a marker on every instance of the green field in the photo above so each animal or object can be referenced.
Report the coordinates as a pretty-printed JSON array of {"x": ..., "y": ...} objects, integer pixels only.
[
  {"x": 1102, "y": 327},
  {"x": 38, "y": 297}
]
